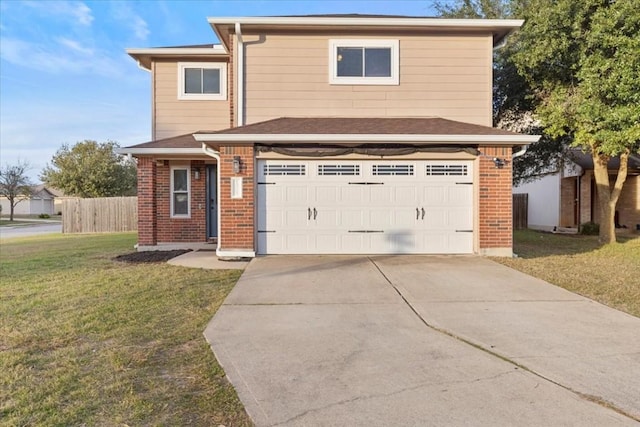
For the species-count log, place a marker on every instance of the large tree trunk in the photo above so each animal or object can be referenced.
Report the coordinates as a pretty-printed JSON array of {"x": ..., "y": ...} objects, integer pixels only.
[
  {"x": 607, "y": 197},
  {"x": 12, "y": 207}
]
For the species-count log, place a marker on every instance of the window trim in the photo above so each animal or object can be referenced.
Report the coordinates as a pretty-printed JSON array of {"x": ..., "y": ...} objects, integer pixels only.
[
  {"x": 394, "y": 45},
  {"x": 222, "y": 96},
  {"x": 172, "y": 213}
]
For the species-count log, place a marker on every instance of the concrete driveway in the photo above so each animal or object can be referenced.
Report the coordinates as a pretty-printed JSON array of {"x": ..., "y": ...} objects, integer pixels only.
[{"x": 419, "y": 340}]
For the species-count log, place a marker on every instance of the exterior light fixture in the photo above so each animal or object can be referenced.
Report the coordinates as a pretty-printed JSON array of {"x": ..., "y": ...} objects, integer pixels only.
[
  {"x": 196, "y": 173},
  {"x": 236, "y": 164},
  {"x": 499, "y": 162}
]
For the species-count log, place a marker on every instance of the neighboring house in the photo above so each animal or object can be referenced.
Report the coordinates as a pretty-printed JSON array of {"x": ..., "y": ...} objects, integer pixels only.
[
  {"x": 41, "y": 201},
  {"x": 328, "y": 134},
  {"x": 568, "y": 197}
]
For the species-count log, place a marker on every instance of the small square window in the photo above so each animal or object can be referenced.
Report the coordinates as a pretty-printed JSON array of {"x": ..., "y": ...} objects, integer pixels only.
[
  {"x": 374, "y": 62},
  {"x": 202, "y": 81}
]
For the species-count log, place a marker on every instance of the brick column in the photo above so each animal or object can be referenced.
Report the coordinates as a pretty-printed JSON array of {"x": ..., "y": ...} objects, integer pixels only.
[
  {"x": 236, "y": 215},
  {"x": 495, "y": 207},
  {"x": 147, "y": 226}
]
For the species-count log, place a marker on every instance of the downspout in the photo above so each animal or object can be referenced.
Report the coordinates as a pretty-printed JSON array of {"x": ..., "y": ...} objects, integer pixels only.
[
  {"x": 216, "y": 155},
  {"x": 240, "y": 74}
]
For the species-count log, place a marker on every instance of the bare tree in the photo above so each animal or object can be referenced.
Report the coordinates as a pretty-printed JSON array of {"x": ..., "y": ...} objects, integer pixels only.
[{"x": 15, "y": 184}]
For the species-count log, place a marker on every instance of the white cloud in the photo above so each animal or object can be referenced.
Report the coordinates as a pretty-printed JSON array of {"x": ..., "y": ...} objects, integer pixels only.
[
  {"x": 75, "y": 46},
  {"x": 123, "y": 13},
  {"x": 76, "y": 12},
  {"x": 65, "y": 56}
]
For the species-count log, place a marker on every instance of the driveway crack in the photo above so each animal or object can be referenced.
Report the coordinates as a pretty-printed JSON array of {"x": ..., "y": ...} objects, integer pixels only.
[{"x": 595, "y": 399}]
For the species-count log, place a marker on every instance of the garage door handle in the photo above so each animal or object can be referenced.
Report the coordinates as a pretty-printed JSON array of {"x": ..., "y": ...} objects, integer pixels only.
[
  {"x": 315, "y": 213},
  {"x": 417, "y": 213},
  {"x": 464, "y": 231},
  {"x": 309, "y": 211},
  {"x": 422, "y": 213}
]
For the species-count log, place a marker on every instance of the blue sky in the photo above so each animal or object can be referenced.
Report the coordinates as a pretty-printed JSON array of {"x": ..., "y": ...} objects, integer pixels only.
[{"x": 65, "y": 76}]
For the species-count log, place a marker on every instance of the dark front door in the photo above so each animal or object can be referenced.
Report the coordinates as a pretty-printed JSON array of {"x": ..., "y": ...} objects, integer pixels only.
[{"x": 212, "y": 201}]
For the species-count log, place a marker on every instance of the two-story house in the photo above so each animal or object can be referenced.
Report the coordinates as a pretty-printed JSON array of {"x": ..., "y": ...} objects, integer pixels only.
[{"x": 333, "y": 134}]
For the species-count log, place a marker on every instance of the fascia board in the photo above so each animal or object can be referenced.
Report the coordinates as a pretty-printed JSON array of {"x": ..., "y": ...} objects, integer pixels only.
[
  {"x": 360, "y": 21},
  {"x": 176, "y": 51},
  {"x": 376, "y": 138},
  {"x": 159, "y": 151}
]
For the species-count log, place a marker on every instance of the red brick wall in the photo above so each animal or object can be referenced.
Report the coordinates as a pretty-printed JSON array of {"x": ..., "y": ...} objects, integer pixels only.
[
  {"x": 172, "y": 230},
  {"x": 236, "y": 215},
  {"x": 146, "y": 201},
  {"x": 495, "y": 207}
]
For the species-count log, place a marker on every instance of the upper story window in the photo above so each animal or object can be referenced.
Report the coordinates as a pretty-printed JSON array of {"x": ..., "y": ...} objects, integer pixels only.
[
  {"x": 202, "y": 80},
  {"x": 364, "y": 62}
]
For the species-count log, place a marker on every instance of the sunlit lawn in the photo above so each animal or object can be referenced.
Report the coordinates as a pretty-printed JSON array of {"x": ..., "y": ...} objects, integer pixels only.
[
  {"x": 88, "y": 341},
  {"x": 608, "y": 274}
]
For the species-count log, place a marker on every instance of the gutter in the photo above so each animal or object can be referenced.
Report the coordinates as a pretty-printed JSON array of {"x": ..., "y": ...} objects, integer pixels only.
[{"x": 520, "y": 152}]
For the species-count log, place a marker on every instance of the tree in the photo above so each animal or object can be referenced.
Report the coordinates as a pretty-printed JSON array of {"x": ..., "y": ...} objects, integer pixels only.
[
  {"x": 582, "y": 61},
  {"x": 91, "y": 169},
  {"x": 513, "y": 103},
  {"x": 15, "y": 184}
]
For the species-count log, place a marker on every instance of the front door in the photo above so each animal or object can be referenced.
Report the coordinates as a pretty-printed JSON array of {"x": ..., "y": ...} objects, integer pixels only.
[{"x": 212, "y": 201}]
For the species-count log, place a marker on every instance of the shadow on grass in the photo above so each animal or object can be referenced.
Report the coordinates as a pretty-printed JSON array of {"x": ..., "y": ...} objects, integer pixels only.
[{"x": 535, "y": 244}]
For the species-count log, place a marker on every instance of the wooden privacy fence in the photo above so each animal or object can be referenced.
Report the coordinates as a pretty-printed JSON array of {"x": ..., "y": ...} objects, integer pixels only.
[
  {"x": 520, "y": 211},
  {"x": 100, "y": 215}
]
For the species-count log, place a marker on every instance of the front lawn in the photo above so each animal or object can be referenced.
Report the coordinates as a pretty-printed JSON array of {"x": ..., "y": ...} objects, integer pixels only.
[
  {"x": 85, "y": 340},
  {"x": 608, "y": 274}
]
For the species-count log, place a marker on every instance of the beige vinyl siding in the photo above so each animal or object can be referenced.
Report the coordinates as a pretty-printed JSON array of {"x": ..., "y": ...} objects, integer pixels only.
[
  {"x": 172, "y": 116},
  {"x": 287, "y": 75}
]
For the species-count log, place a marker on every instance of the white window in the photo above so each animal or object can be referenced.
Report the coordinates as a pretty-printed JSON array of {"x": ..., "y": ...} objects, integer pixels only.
[
  {"x": 364, "y": 62},
  {"x": 180, "y": 192},
  {"x": 202, "y": 81}
]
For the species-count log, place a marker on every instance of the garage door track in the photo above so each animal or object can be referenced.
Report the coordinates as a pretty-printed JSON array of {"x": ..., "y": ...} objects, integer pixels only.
[{"x": 422, "y": 340}]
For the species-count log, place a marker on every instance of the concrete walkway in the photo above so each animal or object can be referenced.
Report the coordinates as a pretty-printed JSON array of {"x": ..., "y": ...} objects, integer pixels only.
[{"x": 410, "y": 340}]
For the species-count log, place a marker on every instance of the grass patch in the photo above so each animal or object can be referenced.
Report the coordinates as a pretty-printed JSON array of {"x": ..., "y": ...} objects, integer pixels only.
[
  {"x": 85, "y": 340},
  {"x": 609, "y": 274}
]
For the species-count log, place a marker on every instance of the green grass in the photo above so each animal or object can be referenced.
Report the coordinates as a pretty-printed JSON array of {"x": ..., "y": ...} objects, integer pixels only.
[
  {"x": 88, "y": 341},
  {"x": 609, "y": 274}
]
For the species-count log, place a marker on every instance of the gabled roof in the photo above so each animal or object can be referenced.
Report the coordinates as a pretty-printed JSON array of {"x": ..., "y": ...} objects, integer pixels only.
[
  {"x": 181, "y": 144},
  {"x": 363, "y": 126},
  {"x": 144, "y": 56},
  {"x": 337, "y": 130},
  {"x": 365, "y": 130},
  {"x": 500, "y": 28}
]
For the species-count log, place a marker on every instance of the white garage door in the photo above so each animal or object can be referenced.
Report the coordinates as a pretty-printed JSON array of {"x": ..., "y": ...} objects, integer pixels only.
[{"x": 365, "y": 207}]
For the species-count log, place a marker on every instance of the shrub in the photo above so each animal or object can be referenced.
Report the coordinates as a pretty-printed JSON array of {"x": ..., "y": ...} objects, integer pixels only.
[
  {"x": 44, "y": 216},
  {"x": 590, "y": 228}
]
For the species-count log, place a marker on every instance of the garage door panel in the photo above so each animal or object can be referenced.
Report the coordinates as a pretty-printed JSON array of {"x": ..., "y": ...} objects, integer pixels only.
[
  {"x": 435, "y": 219},
  {"x": 459, "y": 241},
  {"x": 352, "y": 193},
  {"x": 459, "y": 195},
  {"x": 460, "y": 218},
  {"x": 377, "y": 207}
]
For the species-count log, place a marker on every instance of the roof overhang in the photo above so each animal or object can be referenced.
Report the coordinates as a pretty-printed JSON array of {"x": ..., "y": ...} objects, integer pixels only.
[
  {"x": 508, "y": 140},
  {"x": 500, "y": 28},
  {"x": 159, "y": 151},
  {"x": 144, "y": 56}
]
